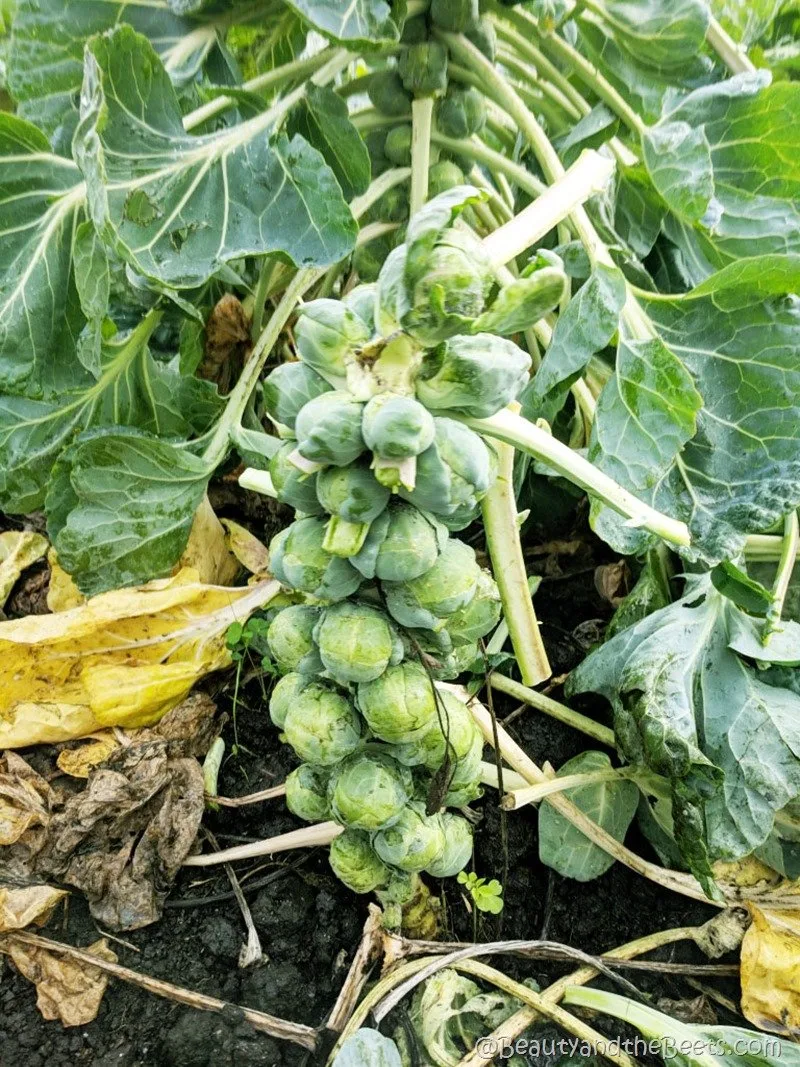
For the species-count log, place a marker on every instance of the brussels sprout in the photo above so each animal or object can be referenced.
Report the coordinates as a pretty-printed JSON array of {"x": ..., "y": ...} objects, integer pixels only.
[
  {"x": 283, "y": 696},
  {"x": 402, "y": 542},
  {"x": 447, "y": 287},
  {"x": 457, "y": 846},
  {"x": 398, "y": 146},
  {"x": 484, "y": 36},
  {"x": 479, "y": 616},
  {"x": 307, "y": 793},
  {"x": 297, "y": 559},
  {"x": 413, "y": 842},
  {"x": 521, "y": 303},
  {"x": 327, "y": 332},
  {"x": 392, "y": 206},
  {"x": 355, "y": 862},
  {"x": 356, "y": 642},
  {"x": 423, "y": 68},
  {"x": 291, "y": 642},
  {"x": 463, "y": 736},
  {"x": 398, "y": 706},
  {"x": 459, "y": 659},
  {"x": 397, "y": 426},
  {"x": 461, "y": 112},
  {"x": 322, "y": 726},
  {"x": 391, "y": 301},
  {"x": 472, "y": 375},
  {"x": 369, "y": 790},
  {"x": 443, "y": 176},
  {"x": 443, "y": 589},
  {"x": 369, "y": 257},
  {"x": 354, "y": 498},
  {"x": 378, "y": 162},
  {"x": 292, "y": 486},
  {"x": 328, "y": 429},
  {"x": 455, "y": 15},
  {"x": 454, "y": 474},
  {"x": 288, "y": 388},
  {"x": 361, "y": 300},
  {"x": 387, "y": 94}
]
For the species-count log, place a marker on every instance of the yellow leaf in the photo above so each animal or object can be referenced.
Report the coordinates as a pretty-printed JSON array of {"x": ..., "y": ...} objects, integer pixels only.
[
  {"x": 770, "y": 971},
  {"x": 62, "y": 593},
  {"x": 251, "y": 553},
  {"x": 65, "y": 989},
  {"x": 18, "y": 550},
  {"x": 19, "y": 907},
  {"x": 78, "y": 762},
  {"x": 207, "y": 549},
  {"x": 123, "y": 658}
]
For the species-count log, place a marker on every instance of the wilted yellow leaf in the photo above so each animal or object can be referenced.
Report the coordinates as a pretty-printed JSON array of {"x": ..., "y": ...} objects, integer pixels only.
[
  {"x": 251, "y": 553},
  {"x": 19, "y": 907},
  {"x": 62, "y": 593},
  {"x": 207, "y": 549},
  {"x": 77, "y": 762},
  {"x": 65, "y": 989},
  {"x": 123, "y": 658},
  {"x": 18, "y": 550},
  {"x": 770, "y": 971}
]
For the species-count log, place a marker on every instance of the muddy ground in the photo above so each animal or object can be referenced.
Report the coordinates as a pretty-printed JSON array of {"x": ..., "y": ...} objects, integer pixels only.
[{"x": 308, "y": 923}]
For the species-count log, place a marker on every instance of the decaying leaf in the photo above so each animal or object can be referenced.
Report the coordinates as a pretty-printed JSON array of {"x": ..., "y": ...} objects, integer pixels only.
[
  {"x": 612, "y": 581},
  {"x": 251, "y": 553},
  {"x": 22, "y": 905},
  {"x": 122, "y": 659},
  {"x": 26, "y": 804},
  {"x": 78, "y": 762},
  {"x": 62, "y": 593},
  {"x": 123, "y": 839},
  {"x": 207, "y": 549},
  {"x": 770, "y": 971},
  {"x": 65, "y": 989},
  {"x": 18, "y": 550},
  {"x": 187, "y": 730},
  {"x": 227, "y": 342}
]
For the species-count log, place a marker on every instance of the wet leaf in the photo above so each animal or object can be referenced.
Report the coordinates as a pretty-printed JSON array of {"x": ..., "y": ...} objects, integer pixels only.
[
  {"x": 18, "y": 550},
  {"x": 66, "y": 989}
]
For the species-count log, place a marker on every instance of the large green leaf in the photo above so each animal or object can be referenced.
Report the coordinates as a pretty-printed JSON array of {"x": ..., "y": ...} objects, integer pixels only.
[
  {"x": 611, "y": 805},
  {"x": 685, "y": 704},
  {"x": 663, "y": 35},
  {"x": 322, "y": 119},
  {"x": 131, "y": 389},
  {"x": 120, "y": 507},
  {"x": 366, "y": 23},
  {"x": 177, "y": 208}
]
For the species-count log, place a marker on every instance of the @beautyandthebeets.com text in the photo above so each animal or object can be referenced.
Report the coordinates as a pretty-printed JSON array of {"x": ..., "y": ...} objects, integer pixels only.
[{"x": 668, "y": 1048}]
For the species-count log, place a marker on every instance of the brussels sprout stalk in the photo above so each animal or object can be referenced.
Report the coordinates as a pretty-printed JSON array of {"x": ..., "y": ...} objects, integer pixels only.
[
  {"x": 257, "y": 482},
  {"x": 421, "y": 115},
  {"x": 343, "y": 538},
  {"x": 395, "y": 474}
]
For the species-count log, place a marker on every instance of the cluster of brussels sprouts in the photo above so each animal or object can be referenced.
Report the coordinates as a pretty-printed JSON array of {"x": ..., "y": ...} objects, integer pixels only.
[{"x": 381, "y": 472}]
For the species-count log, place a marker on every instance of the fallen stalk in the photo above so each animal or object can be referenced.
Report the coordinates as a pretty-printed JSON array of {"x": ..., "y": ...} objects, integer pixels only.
[
  {"x": 553, "y": 708},
  {"x": 251, "y": 798},
  {"x": 297, "y": 1033},
  {"x": 309, "y": 837}
]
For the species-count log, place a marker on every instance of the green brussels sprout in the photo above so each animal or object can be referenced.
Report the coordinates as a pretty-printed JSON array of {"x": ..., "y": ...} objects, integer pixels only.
[
  {"x": 479, "y": 616},
  {"x": 396, "y": 426},
  {"x": 402, "y": 542},
  {"x": 460, "y": 796},
  {"x": 414, "y": 30},
  {"x": 454, "y": 474},
  {"x": 423, "y": 68},
  {"x": 369, "y": 790},
  {"x": 283, "y": 696},
  {"x": 459, "y": 659},
  {"x": 288, "y": 388},
  {"x": 455, "y": 15},
  {"x": 292, "y": 486},
  {"x": 355, "y": 862},
  {"x": 322, "y": 726},
  {"x": 447, "y": 586},
  {"x": 354, "y": 497},
  {"x": 307, "y": 793},
  {"x": 356, "y": 642},
  {"x": 297, "y": 559},
  {"x": 361, "y": 300},
  {"x": 457, "y": 846},
  {"x": 472, "y": 375},
  {"x": 522, "y": 302},
  {"x": 413, "y": 842},
  {"x": 461, "y": 112},
  {"x": 388, "y": 95},
  {"x": 327, "y": 333},
  {"x": 291, "y": 642},
  {"x": 399, "y": 706},
  {"x": 328, "y": 429},
  {"x": 447, "y": 288},
  {"x": 392, "y": 206},
  {"x": 484, "y": 36},
  {"x": 397, "y": 148},
  {"x": 443, "y": 176},
  {"x": 430, "y": 749},
  {"x": 369, "y": 257}
]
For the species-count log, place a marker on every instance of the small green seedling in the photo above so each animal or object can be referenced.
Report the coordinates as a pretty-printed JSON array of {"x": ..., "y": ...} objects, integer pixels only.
[{"x": 486, "y": 896}]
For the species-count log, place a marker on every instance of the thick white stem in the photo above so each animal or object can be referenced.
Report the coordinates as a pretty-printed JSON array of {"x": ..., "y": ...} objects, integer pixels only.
[
  {"x": 257, "y": 482},
  {"x": 732, "y": 55}
]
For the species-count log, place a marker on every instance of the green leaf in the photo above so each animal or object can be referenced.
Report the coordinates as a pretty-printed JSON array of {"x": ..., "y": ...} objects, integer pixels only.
[
  {"x": 739, "y": 587},
  {"x": 522, "y": 302},
  {"x": 592, "y": 131},
  {"x": 611, "y": 805},
  {"x": 177, "y": 207},
  {"x": 746, "y": 22},
  {"x": 321, "y": 118},
  {"x": 132, "y": 389},
  {"x": 366, "y": 23},
  {"x": 782, "y": 646},
  {"x": 678, "y": 157},
  {"x": 120, "y": 507},
  {"x": 662, "y": 34},
  {"x": 686, "y": 706}
]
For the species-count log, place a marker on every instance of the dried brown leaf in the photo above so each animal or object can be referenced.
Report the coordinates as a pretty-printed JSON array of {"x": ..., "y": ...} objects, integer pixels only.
[
  {"x": 207, "y": 549},
  {"x": 65, "y": 989},
  {"x": 26, "y": 804},
  {"x": 78, "y": 762},
  {"x": 22, "y": 905},
  {"x": 227, "y": 342}
]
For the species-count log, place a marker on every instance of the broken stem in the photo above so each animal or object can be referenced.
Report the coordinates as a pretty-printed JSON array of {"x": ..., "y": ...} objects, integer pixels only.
[
  {"x": 552, "y": 708},
  {"x": 321, "y": 833}
]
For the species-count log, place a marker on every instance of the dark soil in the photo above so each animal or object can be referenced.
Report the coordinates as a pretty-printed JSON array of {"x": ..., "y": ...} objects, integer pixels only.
[{"x": 309, "y": 924}]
